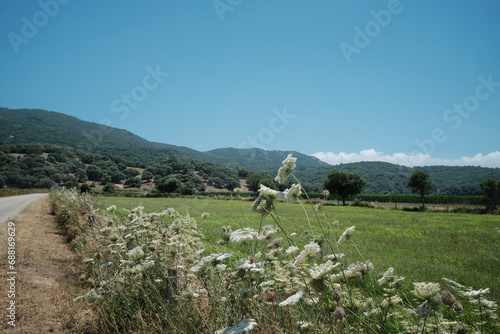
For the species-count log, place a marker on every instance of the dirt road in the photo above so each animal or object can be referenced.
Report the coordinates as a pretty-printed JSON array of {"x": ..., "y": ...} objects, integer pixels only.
[
  {"x": 37, "y": 290},
  {"x": 10, "y": 206}
]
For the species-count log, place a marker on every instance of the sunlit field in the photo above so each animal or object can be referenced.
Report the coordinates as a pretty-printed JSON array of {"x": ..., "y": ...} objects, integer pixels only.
[{"x": 421, "y": 246}]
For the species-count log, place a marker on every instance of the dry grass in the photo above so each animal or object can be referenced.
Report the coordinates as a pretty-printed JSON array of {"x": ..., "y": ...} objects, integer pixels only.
[{"x": 46, "y": 280}]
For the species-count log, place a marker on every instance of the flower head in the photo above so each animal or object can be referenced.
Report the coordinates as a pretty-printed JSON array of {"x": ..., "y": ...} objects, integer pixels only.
[
  {"x": 286, "y": 169},
  {"x": 243, "y": 235},
  {"x": 320, "y": 271},
  {"x": 135, "y": 254},
  {"x": 293, "y": 299},
  {"x": 292, "y": 194},
  {"x": 309, "y": 249},
  {"x": 112, "y": 208},
  {"x": 339, "y": 313},
  {"x": 426, "y": 290},
  {"x": 347, "y": 233}
]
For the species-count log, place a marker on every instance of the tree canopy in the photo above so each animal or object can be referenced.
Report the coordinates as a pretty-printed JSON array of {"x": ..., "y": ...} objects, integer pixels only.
[
  {"x": 343, "y": 184},
  {"x": 419, "y": 183}
]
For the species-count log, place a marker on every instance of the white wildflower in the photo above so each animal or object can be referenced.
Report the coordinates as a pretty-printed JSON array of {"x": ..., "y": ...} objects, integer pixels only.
[
  {"x": 268, "y": 193},
  {"x": 286, "y": 169},
  {"x": 243, "y": 235},
  {"x": 347, "y": 233},
  {"x": 310, "y": 249},
  {"x": 112, "y": 208},
  {"x": 426, "y": 290},
  {"x": 320, "y": 271},
  {"x": 292, "y": 194},
  {"x": 135, "y": 254},
  {"x": 387, "y": 276},
  {"x": 360, "y": 267},
  {"x": 475, "y": 293},
  {"x": 394, "y": 300},
  {"x": 293, "y": 299},
  {"x": 266, "y": 232},
  {"x": 334, "y": 256},
  {"x": 246, "y": 265},
  {"x": 205, "y": 215},
  {"x": 292, "y": 249},
  {"x": 262, "y": 206},
  {"x": 141, "y": 267},
  {"x": 267, "y": 283}
]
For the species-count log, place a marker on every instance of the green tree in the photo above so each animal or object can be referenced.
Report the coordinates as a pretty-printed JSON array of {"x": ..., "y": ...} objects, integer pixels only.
[
  {"x": 255, "y": 180},
  {"x": 85, "y": 188},
  {"x": 343, "y": 184},
  {"x": 117, "y": 177},
  {"x": 169, "y": 184},
  {"x": 131, "y": 172},
  {"x": 146, "y": 175},
  {"x": 45, "y": 183},
  {"x": 419, "y": 183},
  {"x": 94, "y": 173},
  {"x": 491, "y": 189},
  {"x": 133, "y": 182},
  {"x": 109, "y": 188}
]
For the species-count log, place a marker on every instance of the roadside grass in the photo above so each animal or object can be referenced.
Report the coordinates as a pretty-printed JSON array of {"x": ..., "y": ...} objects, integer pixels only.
[{"x": 421, "y": 246}]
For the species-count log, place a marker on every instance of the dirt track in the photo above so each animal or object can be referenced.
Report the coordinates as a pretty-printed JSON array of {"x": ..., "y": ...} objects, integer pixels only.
[{"x": 45, "y": 278}]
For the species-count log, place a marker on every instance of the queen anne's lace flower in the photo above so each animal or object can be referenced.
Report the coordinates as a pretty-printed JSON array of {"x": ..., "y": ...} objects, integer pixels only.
[
  {"x": 243, "y": 235},
  {"x": 293, "y": 299},
  {"x": 309, "y": 250},
  {"x": 347, "y": 233},
  {"x": 320, "y": 271},
  {"x": 292, "y": 194},
  {"x": 426, "y": 290},
  {"x": 135, "y": 254},
  {"x": 112, "y": 208},
  {"x": 286, "y": 169}
]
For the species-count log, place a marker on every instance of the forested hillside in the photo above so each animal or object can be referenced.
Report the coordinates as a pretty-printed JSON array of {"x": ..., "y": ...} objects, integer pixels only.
[{"x": 24, "y": 126}]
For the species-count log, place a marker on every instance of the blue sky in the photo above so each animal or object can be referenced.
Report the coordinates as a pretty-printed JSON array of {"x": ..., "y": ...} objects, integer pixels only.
[{"x": 409, "y": 82}]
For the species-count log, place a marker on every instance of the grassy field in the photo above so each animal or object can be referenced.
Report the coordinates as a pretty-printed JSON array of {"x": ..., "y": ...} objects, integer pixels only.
[{"x": 421, "y": 246}]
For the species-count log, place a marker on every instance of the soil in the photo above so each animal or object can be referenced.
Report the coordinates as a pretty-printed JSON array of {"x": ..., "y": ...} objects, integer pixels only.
[{"x": 46, "y": 278}]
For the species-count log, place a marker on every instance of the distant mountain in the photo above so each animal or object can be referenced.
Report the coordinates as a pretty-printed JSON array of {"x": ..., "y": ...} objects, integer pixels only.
[
  {"x": 260, "y": 160},
  {"x": 19, "y": 126},
  {"x": 35, "y": 125}
]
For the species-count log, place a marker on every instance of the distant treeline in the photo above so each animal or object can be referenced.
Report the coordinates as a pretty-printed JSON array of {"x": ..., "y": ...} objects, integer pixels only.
[{"x": 429, "y": 199}]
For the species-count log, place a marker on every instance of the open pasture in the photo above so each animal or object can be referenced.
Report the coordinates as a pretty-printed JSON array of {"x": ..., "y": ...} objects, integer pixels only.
[{"x": 421, "y": 246}]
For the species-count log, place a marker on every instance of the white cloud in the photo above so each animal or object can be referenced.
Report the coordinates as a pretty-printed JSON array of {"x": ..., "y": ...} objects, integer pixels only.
[{"x": 489, "y": 160}]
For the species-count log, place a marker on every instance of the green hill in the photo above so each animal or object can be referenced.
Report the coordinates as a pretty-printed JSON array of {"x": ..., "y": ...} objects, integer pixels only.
[{"x": 22, "y": 126}]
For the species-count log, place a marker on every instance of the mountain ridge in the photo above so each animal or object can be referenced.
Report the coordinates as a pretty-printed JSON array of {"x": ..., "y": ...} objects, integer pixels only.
[{"x": 20, "y": 126}]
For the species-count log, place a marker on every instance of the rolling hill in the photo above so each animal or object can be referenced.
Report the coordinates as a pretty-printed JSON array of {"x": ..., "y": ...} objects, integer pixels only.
[{"x": 20, "y": 126}]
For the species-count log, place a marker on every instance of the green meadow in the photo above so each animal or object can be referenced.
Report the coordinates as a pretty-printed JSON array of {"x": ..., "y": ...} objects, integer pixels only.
[{"x": 421, "y": 246}]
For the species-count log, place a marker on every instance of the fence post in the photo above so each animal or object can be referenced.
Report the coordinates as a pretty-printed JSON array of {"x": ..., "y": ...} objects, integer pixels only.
[{"x": 172, "y": 285}]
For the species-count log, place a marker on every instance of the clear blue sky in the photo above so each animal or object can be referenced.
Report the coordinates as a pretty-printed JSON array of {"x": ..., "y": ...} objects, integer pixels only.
[{"x": 356, "y": 79}]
